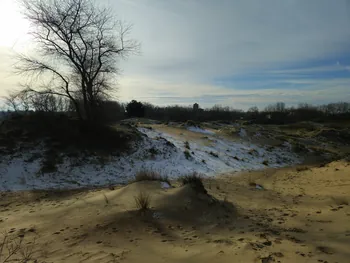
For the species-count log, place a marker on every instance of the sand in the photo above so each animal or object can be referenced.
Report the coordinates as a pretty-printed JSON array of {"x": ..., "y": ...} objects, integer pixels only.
[{"x": 302, "y": 215}]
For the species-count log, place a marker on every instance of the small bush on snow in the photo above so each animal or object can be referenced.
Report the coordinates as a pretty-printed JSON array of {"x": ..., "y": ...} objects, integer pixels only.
[
  {"x": 187, "y": 154},
  {"x": 265, "y": 162},
  {"x": 214, "y": 154}
]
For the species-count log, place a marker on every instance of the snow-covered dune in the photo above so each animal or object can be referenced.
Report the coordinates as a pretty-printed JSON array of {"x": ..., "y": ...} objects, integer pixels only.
[{"x": 157, "y": 151}]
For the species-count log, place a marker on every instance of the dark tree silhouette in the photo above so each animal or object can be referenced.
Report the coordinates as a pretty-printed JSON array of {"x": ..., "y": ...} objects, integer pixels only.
[
  {"x": 78, "y": 45},
  {"x": 135, "y": 109}
]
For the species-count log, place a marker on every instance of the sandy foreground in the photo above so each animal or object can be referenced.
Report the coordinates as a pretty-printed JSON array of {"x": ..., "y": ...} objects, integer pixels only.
[{"x": 302, "y": 215}]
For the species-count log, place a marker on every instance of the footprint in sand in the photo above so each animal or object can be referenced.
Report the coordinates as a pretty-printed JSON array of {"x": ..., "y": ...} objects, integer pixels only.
[{"x": 325, "y": 250}]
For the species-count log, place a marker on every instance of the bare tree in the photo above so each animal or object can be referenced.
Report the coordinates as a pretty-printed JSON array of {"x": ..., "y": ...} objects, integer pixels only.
[
  {"x": 78, "y": 45},
  {"x": 11, "y": 101}
]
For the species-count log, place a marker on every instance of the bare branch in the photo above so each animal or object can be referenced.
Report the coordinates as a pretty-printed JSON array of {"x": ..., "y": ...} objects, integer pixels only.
[{"x": 81, "y": 45}]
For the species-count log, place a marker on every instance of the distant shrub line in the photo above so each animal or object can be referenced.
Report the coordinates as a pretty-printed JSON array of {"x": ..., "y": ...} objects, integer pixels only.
[{"x": 278, "y": 113}]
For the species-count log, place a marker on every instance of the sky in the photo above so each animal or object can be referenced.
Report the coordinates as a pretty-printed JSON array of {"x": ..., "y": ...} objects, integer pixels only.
[{"x": 237, "y": 53}]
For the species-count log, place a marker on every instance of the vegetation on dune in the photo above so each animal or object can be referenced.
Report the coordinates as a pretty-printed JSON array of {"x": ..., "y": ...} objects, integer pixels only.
[
  {"x": 58, "y": 131},
  {"x": 187, "y": 154},
  {"x": 143, "y": 201},
  {"x": 149, "y": 175},
  {"x": 214, "y": 154},
  {"x": 194, "y": 180}
]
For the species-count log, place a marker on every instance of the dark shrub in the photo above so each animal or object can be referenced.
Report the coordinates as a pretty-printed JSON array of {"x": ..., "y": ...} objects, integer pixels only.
[
  {"x": 195, "y": 181},
  {"x": 135, "y": 109}
]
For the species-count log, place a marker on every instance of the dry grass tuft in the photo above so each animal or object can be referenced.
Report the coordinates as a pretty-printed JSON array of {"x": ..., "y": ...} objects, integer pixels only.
[
  {"x": 143, "y": 201},
  {"x": 195, "y": 181},
  {"x": 148, "y": 175}
]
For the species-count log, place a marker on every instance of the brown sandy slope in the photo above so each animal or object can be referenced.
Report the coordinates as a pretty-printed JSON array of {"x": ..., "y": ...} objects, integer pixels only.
[{"x": 301, "y": 216}]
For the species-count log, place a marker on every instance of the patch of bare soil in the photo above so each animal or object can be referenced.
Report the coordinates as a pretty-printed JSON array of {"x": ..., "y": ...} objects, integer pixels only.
[
  {"x": 181, "y": 133},
  {"x": 297, "y": 214}
]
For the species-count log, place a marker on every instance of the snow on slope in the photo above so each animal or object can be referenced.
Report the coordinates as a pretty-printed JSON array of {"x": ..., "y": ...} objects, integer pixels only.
[
  {"x": 157, "y": 151},
  {"x": 199, "y": 130}
]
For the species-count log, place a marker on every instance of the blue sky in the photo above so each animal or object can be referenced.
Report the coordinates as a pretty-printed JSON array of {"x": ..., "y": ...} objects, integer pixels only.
[{"x": 236, "y": 53}]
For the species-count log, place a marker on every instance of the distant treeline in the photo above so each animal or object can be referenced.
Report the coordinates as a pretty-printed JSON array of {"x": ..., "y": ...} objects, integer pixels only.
[
  {"x": 110, "y": 111},
  {"x": 276, "y": 113}
]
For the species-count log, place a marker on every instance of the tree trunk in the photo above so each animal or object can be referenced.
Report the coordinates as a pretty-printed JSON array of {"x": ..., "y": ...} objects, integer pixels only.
[
  {"x": 77, "y": 109},
  {"x": 91, "y": 102},
  {"x": 86, "y": 102}
]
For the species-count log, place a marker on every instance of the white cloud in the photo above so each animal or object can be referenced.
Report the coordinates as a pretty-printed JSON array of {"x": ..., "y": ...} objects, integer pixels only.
[
  {"x": 206, "y": 39},
  {"x": 164, "y": 93},
  {"x": 186, "y": 44},
  {"x": 310, "y": 70}
]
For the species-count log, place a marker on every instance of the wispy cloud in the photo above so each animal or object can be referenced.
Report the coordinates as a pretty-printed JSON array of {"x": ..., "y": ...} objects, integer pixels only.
[
  {"x": 236, "y": 53},
  {"x": 164, "y": 93}
]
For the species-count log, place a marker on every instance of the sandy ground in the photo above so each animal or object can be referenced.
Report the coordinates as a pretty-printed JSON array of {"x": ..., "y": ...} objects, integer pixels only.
[{"x": 302, "y": 215}]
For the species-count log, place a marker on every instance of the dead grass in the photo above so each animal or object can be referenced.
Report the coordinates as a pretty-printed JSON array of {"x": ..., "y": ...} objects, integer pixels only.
[
  {"x": 195, "y": 181},
  {"x": 148, "y": 175},
  {"x": 143, "y": 201},
  {"x": 13, "y": 249}
]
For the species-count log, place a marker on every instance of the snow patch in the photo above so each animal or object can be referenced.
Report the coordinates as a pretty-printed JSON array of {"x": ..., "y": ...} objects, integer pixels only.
[
  {"x": 165, "y": 185},
  {"x": 200, "y": 130},
  {"x": 242, "y": 132}
]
